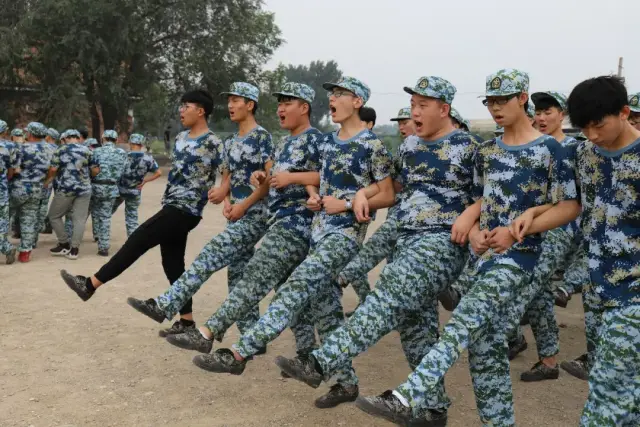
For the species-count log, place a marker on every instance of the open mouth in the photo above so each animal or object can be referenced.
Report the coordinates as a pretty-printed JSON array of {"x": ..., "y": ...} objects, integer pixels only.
[
  {"x": 498, "y": 117},
  {"x": 542, "y": 127},
  {"x": 332, "y": 109},
  {"x": 281, "y": 117},
  {"x": 418, "y": 125}
]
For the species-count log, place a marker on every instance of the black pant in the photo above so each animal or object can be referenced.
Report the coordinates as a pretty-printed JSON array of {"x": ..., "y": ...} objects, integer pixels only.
[{"x": 168, "y": 228}]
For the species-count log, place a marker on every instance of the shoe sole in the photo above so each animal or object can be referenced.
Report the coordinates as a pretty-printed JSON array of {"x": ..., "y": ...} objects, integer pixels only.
[
  {"x": 71, "y": 257},
  {"x": 569, "y": 370},
  {"x": 533, "y": 380},
  {"x": 364, "y": 405},
  {"x": 561, "y": 304},
  {"x": 135, "y": 304},
  {"x": 68, "y": 279},
  {"x": 222, "y": 370},
  {"x": 335, "y": 403},
  {"x": 186, "y": 346},
  {"x": 63, "y": 253},
  {"x": 283, "y": 364}
]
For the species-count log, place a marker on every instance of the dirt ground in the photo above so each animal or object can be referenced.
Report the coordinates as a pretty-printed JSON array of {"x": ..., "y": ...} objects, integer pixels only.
[{"x": 68, "y": 363}]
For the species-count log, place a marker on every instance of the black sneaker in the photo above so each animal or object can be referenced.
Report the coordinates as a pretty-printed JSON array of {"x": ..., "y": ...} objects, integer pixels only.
[
  {"x": 517, "y": 347},
  {"x": 540, "y": 372},
  {"x": 578, "y": 368},
  {"x": 261, "y": 352},
  {"x": 525, "y": 320},
  {"x": 337, "y": 394},
  {"x": 178, "y": 327},
  {"x": 79, "y": 284},
  {"x": 562, "y": 297},
  {"x": 389, "y": 407},
  {"x": 11, "y": 256},
  {"x": 191, "y": 339},
  {"x": 149, "y": 308},
  {"x": 72, "y": 254},
  {"x": 61, "y": 250},
  {"x": 220, "y": 361},
  {"x": 301, "y": 369},
  {"x": 449, "y": 298},
  {"x": 103, "y": 252}
]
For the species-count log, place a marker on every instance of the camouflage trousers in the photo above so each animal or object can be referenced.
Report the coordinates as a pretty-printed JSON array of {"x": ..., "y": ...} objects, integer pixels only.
[
  {"x": 614, "y": 380},
  {"x": 312, "y": 284},
  {"x": 131, "y": 205},
  {"x": 379, "y": 246},
  {"x": 593, "y": 311},
  {"x": 44, "y": 208},
  {"x": 576, "y": 273},
  {"x": 101, "y": 211},
  {"x": 557, "y": 245},
  {"x": 404, "y": 299},
  {"x": 5, "y": 245},
  {"x": 233, "y": 248},
  {"x": 479, "y": 324},
  {"x": 26, "y": 208}
]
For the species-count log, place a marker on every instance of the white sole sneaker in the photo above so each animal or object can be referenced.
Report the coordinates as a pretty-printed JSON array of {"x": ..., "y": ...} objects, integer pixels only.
[
  {"x": 61, "y": 253},
  {"x": 69, "y": 256}
]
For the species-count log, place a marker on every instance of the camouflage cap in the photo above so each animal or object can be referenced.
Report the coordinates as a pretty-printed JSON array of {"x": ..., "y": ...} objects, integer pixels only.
[
  {"x": 91, "y": 142},
  {"x": 70, "y": 133},
  {"x": 17, "y": 132},
  {"x": 434, "y": 87},
  {"x": 403, "y": 114},
  {"x": 37, "y": 129},
  {"x": 456, "y": 115},
  {"x": 110, "y": 134},
  {"x": 499, "y": 130},
  {"x": 560, "y": 98},
  {"x": 531, "y": 109},
  {"x": 53, "y": 133},
  {"x": 297, "y": 90},
  {"x": 351, "y": 84},
  {"x": 136, "y": 139},
  {"x": 3, "y": 126},
  {"x": 507, "y": 82},
  {"x": 634, "y": 102},
  {"x": 244, "y": 90}
]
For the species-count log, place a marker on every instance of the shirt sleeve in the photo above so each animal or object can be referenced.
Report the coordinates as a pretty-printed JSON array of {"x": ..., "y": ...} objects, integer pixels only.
[
  {"x": 266, "y": 148},
  {"x": 313, "y": 153},
  {"x": 381, "y": 162},
  {"x": 152, "y": 165},
  {"x": 55, "y": 159},
  {"x": 477, "y": 190},
  {"x": 562, "y": 176},
  {"x": 93, "y": 161}
]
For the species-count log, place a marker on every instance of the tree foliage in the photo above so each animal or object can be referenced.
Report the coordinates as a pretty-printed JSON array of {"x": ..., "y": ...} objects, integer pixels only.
[{"x": 104, "y": 56}]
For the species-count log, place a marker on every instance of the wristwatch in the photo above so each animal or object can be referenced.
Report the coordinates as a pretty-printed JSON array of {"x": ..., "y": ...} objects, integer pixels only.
[{"x": 348, "y": 205}]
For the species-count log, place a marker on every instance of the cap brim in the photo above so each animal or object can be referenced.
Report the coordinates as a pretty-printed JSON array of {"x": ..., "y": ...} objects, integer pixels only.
[
  {"x": 290, "y": 95},
  {"x": 635, "y": 109},
  {"x": 399, "y": 119},
  {"x": 409, "y": 90}
]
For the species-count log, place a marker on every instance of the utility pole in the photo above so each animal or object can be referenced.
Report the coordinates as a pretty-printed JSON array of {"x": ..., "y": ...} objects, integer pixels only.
[{"x": 620, "y": 67}]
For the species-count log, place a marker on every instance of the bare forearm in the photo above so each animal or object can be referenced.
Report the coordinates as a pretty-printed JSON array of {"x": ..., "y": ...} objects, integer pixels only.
[
  {"x": 306, "y": 178},
  {"x": 153, "y": 177},
  {"x": 473, "y": 211},
  {"x": 383, "y": 196},
  {"x": 554, "y": 216},
  {"x": 312, "y": 190}
]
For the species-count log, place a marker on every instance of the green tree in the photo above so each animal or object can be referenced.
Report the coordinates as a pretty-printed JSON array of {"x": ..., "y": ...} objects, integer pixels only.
[{"x": 314, "y": 75}]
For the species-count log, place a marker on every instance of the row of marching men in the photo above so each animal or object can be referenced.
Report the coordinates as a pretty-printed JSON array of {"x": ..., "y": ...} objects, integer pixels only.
[{"x": 84, "y": 176}]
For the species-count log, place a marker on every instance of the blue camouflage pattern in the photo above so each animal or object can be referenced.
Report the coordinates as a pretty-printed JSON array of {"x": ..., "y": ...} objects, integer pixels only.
[
  {"x": 137, "y": 139},
  {"x": 73, "y": 177},
  {"x": 353, "y": 85},
  {"x": 560, "y": 98},
  {"x": 111, "y": 161},
  {"x": 131, "y": 205},
  {"x": 137, "y": 166},
  {"x": 193, "y": 171},
  {"x": 5, "y": 165},
  {"x": 35, "y": 160},
  {"x": 634, "y": 102},
  {"x": 17, "y": 132},
  {"x": 3, "y": 126},
  {"x": 433, "y": 87},
  {"x": 53, "y": 134},
  {"x": 346, "y": 167},
  {"x": 294, "y": 154},
  {"x": 37, "y": 129},
  {"x": 243, "y": 156},
  {"x": 403, "y": 114},
  {"x": 91, "y": 143},
  {"x": 110, "y": 134},
  {"x": 245, "y": 90},
  {"x": 437, "y": 178},
  {"x": 506, "y": 82},
  {"x": 609, "y": 187},
  {"x": 511, "y": 180},
  {"x": 297, "y": 90}
]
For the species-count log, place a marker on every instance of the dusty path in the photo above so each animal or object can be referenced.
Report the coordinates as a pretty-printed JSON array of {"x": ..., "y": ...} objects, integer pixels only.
[{"x": 68, "y": 363}]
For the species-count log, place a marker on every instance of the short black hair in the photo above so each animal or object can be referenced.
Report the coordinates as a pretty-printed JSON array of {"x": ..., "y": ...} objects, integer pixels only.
[
  {"x": 596, "y": 98},
  {"x": 200, "y": 97},
  {"x": 545, "y": 101},
  {"x": 255, "y": 104},
  {"x": 283, "y": 98},
  {"x": 368, "y": 114},
  {"x": 85, "y": 133}
]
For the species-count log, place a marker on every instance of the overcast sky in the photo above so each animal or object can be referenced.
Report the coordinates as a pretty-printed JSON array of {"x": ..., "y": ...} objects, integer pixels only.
[{"x": 390, "y": 44}]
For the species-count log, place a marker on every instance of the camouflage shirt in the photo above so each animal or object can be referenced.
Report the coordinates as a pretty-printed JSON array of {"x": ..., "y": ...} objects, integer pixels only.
[
  {"x": 138, "y": 165},
  {"x": 294, "y": 154},
  {"x": 193, "y": 172},
  {"x": 610, "y": 194},
  {"x": 346, "y": 167},
  {"x": 111, "y": 161},
  {"x": 73, "y": 177},
  {"x": 15, "y": 154},
  {"x": 513, "y": 179},
  {"x": 437, "y": 179},
  {"x": 5, "y": 165},
  {"x": 242, "y": 157},
  {"x": 34, "y": 166}
]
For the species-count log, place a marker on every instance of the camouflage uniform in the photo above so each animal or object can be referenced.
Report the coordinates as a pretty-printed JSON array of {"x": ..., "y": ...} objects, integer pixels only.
[
  {"x": 437, "y": 183},
  {"x": 104, "y": 187},
  {"x": 510, "y": 180},
  {"x": 72, "y": 189},
  {"x": 7, "y": 161},
  {"x": 138, "y": 165},
  {"x": 609, "y": 185},
  {"x": 27, "y": 185},
  {"x": 234, "y": 246},
  {"x": 346, "y": 167}
]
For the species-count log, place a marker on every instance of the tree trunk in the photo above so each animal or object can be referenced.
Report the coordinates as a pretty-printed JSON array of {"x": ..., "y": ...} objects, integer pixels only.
[{"x": 95, "y": 120}]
